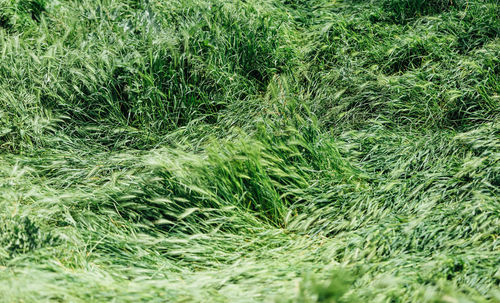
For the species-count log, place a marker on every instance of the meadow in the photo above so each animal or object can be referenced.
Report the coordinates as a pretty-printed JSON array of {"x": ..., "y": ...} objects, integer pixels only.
[{"x": 250, "y": 151}]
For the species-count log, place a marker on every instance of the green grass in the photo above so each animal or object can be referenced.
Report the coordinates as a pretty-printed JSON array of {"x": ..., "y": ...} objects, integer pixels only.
[{"x": 249, "y": 151}]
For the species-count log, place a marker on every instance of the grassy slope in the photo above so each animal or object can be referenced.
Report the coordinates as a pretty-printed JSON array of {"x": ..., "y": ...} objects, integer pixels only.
[{"x": 243, "y": 151}]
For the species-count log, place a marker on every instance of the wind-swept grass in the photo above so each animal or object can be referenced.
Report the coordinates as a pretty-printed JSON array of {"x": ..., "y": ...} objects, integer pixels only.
[{"x": 249, "y": 151}]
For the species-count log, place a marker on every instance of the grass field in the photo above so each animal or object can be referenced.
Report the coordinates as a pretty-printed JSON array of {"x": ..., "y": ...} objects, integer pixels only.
[{"x": 250, "y": 151}]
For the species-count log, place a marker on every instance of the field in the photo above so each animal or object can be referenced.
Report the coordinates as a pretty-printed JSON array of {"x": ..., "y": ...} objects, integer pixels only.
[{"x": 250, "y": 151}]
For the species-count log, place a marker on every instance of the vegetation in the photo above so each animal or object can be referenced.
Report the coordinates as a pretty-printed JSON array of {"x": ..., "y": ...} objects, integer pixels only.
[{"x": 249, "y": 151}]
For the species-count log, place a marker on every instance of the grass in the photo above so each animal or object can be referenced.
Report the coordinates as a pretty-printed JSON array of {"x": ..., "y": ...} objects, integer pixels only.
[{"x": 249, "y": 151}]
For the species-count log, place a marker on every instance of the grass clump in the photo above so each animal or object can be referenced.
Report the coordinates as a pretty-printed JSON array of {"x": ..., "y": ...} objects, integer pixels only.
[
  {"x": 21, "y": 236},
  {"x": 416, "y": 75},
  {"x": 406, "y": 10},
  {"x": 18, "y": 15}
]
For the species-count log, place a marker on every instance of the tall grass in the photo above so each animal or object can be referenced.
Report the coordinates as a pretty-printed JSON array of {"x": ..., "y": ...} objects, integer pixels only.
[{"x": 249, "y": 151}]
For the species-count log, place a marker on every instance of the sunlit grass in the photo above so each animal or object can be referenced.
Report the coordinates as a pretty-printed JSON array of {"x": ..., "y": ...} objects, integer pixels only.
[{"x": 249, "y": 151}]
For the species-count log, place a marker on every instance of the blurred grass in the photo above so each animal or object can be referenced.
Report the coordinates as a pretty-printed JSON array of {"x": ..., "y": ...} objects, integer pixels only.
[{"x": 249, "y": 151}]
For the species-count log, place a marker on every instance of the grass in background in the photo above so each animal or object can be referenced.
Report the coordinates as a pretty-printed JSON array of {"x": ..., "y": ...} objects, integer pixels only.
[{"x": 288, "y": 151}]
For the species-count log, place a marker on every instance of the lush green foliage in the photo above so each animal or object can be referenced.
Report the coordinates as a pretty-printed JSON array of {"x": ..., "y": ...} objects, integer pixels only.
[{"x": 249, "y": 151}]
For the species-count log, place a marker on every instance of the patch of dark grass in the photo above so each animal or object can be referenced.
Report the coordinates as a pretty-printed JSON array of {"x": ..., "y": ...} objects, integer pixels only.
[
  {"x": 408, "y": 10},
  {"x": 21, "y": 235},
  {"x": 34, "y": 8}
]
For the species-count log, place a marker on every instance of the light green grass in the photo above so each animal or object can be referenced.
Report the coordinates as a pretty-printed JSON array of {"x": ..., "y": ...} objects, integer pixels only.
[{"x": 249, "y": 151}]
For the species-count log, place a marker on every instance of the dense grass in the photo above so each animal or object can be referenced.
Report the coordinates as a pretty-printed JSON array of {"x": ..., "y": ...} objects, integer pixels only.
[{"x": 249, "y": 151}]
